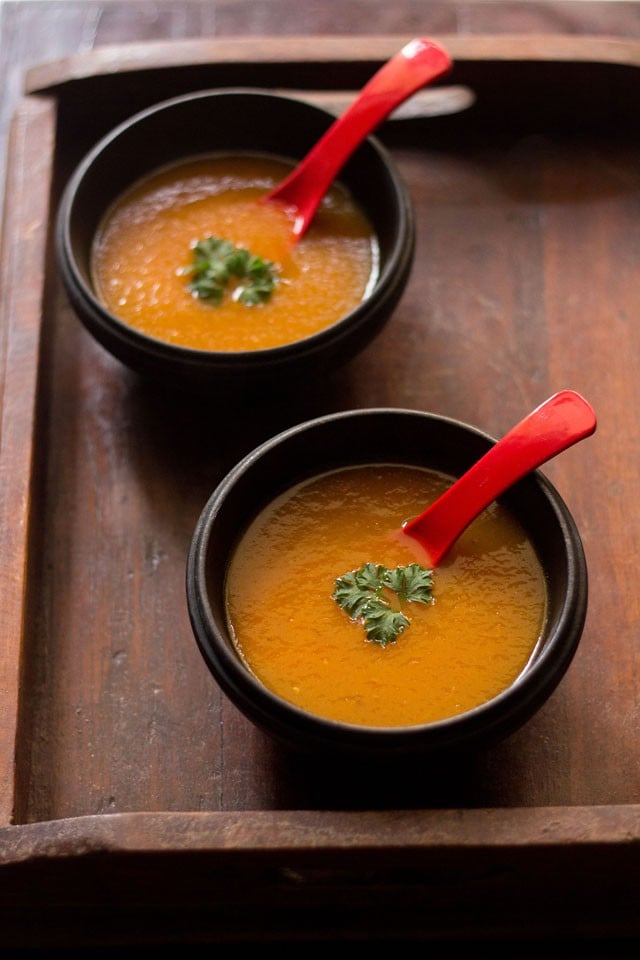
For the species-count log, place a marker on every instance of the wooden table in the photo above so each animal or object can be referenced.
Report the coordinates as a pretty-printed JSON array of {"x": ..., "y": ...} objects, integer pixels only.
[{"x": 136, "y": 805}]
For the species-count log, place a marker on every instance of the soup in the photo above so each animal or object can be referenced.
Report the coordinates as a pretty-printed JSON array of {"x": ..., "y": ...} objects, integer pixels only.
[
  {"x": 143, "y": 256},
  {"x": 462, "y": 645}
]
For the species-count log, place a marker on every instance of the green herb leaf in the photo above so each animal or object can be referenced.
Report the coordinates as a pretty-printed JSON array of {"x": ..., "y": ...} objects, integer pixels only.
[
  {"x": 358, "y": 588},
  {"x": 412, "y": 583},
  {"x": 216, "y": 261},
  {"x": 382, "y": 624},
  {"x": 360, "y": 593}
]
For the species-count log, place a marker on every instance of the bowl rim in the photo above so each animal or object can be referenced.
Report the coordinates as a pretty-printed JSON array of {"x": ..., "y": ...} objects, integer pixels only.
[
  {"x": 397, "y": 264},
  {"x": 529, "y": 690}
]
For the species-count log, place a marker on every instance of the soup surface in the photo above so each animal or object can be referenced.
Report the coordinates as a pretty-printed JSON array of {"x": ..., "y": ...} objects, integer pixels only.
[
  {"x": 144, "y": 249},
  {"x": 471, "y": 642}
]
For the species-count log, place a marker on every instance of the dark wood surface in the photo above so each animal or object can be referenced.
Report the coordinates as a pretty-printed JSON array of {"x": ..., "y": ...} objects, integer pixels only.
[{"x": 122, "y": 768}]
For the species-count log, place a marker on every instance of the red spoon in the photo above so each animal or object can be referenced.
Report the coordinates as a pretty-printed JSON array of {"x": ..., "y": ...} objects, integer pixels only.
[
  {"x": 418, "y": 62},
  {"x": 555, "y": 425}
]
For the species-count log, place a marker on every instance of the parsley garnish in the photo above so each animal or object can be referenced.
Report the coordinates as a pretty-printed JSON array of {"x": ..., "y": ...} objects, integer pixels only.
[
  {"x": 360, "y": 593},
  {"x": 216, "y": 261}
]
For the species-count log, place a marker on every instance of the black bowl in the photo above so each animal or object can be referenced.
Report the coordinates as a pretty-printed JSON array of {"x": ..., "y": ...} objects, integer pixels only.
[
  {"x": 218, "y": 121},
  {"x": 376, "y": 436}
]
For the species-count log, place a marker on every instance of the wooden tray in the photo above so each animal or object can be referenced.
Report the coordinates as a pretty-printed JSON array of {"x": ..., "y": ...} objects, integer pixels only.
[{"x": 137, "y": 803}]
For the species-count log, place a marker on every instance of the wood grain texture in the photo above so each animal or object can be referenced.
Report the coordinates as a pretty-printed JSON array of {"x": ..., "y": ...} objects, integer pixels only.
[
  {"x": 314, "y": 876},
  {"x": 23, "y": 254},
  {"x": 120, "y": 761}
]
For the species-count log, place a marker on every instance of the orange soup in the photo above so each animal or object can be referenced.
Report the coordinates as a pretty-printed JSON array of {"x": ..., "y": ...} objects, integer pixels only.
[
  {"x": 461, "y": 648},
  {"x": 143, "y": 252}
]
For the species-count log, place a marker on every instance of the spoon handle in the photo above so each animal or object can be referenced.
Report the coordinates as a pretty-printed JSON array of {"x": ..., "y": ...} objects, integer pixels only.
[
  {"x": 417, "y": 63},
  {"x": 558, "y": 423}
]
